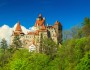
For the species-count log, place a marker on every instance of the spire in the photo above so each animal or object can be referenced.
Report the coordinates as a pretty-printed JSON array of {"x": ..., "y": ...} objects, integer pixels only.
[
  {"x": 18, "y": 27},
  {"x": 40, "y": 16},
  {"x": 40, "y": 20},
  {"x": 57, "y": 23}
]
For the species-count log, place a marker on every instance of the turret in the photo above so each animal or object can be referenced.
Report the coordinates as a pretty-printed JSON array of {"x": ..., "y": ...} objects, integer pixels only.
[
  {"x": 18, "y": 30},
  {"x": 58, "y": 28},
  {"x": 40, "y": 17},
  {"x": 40, "y": 22}
]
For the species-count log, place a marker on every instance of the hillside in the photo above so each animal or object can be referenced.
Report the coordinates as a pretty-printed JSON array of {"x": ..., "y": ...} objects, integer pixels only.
[{"x": 74, "y": 54}]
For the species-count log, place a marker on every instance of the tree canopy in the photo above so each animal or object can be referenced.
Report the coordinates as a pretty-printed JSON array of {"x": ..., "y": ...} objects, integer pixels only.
[{"x": 74, "y": 53}]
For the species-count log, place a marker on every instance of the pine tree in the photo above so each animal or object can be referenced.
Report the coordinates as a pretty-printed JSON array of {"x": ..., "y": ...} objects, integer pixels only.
[
  {"x": 4, "y": 45},
  {"x": 16, "y": 42}
]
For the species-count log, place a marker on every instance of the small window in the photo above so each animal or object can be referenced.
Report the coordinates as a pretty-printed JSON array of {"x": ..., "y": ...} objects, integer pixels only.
[{"x": 26, "y": 36}]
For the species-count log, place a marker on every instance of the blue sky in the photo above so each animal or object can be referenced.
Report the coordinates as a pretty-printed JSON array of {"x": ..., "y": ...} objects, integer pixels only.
[{"x": 68, "y": 12}]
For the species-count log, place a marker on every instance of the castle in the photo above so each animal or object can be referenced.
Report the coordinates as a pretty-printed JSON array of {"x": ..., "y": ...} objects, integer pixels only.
[{"x": 32, "y": 39}]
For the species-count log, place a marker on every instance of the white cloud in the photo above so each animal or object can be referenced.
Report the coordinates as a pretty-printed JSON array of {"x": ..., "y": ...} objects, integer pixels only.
[
  {"x": 6, "y": 31},
  {"x": 32, "y": 28}
]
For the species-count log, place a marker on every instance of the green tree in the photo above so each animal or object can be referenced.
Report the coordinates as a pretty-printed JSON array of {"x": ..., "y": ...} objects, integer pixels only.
[
  {"x": 86, "y": 21},
  {"x": 16, "y": 42},
  {"x": 66, "y": 35},
  {"x": 76, "y": 32},
  {"x": 84, "y": 62},
  {"x": 4, "y": 54},
  {"x": 72, "y": 51},
  {"x": 4, "y": 45},
  {"x": 86, "y": 27},
  {"x": 24, "y": 60},
  {"x": 49, "y": 47}
]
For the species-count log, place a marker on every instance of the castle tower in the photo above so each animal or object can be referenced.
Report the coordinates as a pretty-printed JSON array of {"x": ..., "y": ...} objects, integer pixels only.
[
  {"x": 58, "y": 28},
  {"x": 40, "y": 21},
  {"x": 40, "y": 17},
  {"x": 18, "y": 32},
  {"x": 18, "y": 29}
]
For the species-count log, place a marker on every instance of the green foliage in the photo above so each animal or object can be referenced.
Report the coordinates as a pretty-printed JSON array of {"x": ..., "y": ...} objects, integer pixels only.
[
  {"x": 86, "y": 27},
  {"x": 16, "y": 42},
  {"x": 86, "y": 21},
  {"x": 72, "y": 51},
  {"x": 69, "y": 57},
  {"x": 23, "y": 60},
  {"x": 4, "y": 58},
  {"x": 4, "y": 54},
  {"x": 84, "y": 62},
  {"x": 54, "y": 64},
  {"x": 74, "y": 33},
  {"x": 4, "y": 45},
  {"x": 74, "y": 54},
  {"x": 48, "y": 47}
]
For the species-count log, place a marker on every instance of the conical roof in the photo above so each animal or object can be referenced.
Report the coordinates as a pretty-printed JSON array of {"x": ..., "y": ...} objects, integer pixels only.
[
  {"x": 57, "y": 23},
  {"x": 18, "y": 27},
  {"x": 40, "y": 20},
  {"x": 40, "y": 16}
]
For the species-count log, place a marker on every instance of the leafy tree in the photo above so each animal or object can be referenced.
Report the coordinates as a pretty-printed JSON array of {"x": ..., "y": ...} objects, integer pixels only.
[
  {"x": 67, "y": 56},
  {"x": 76, "y": 32},
  {"x": 86, "y": 21},
  {"x": 4, "y": 53},
  {"x": 16, "y": 42},
  {"x": 84, "y": 62},
  {"x": 4, "y": 45},
  {"x": 24, "y": 60},
  {"x": 86, "y": 27},
  {"x": 49, "y": 47},
  {"x": 72, "y": 51},
  {"x": 66, "y": 35},
  {"x": 54, "y": 64}
]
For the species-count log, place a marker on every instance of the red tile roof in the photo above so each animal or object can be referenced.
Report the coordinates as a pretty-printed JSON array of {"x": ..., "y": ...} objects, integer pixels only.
[
  {"x": 31, "y": 33},
  {"x": 39, "y": 22},
  {"x": 18, "y": 27},
  {"x": 57, "y": 23}
]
